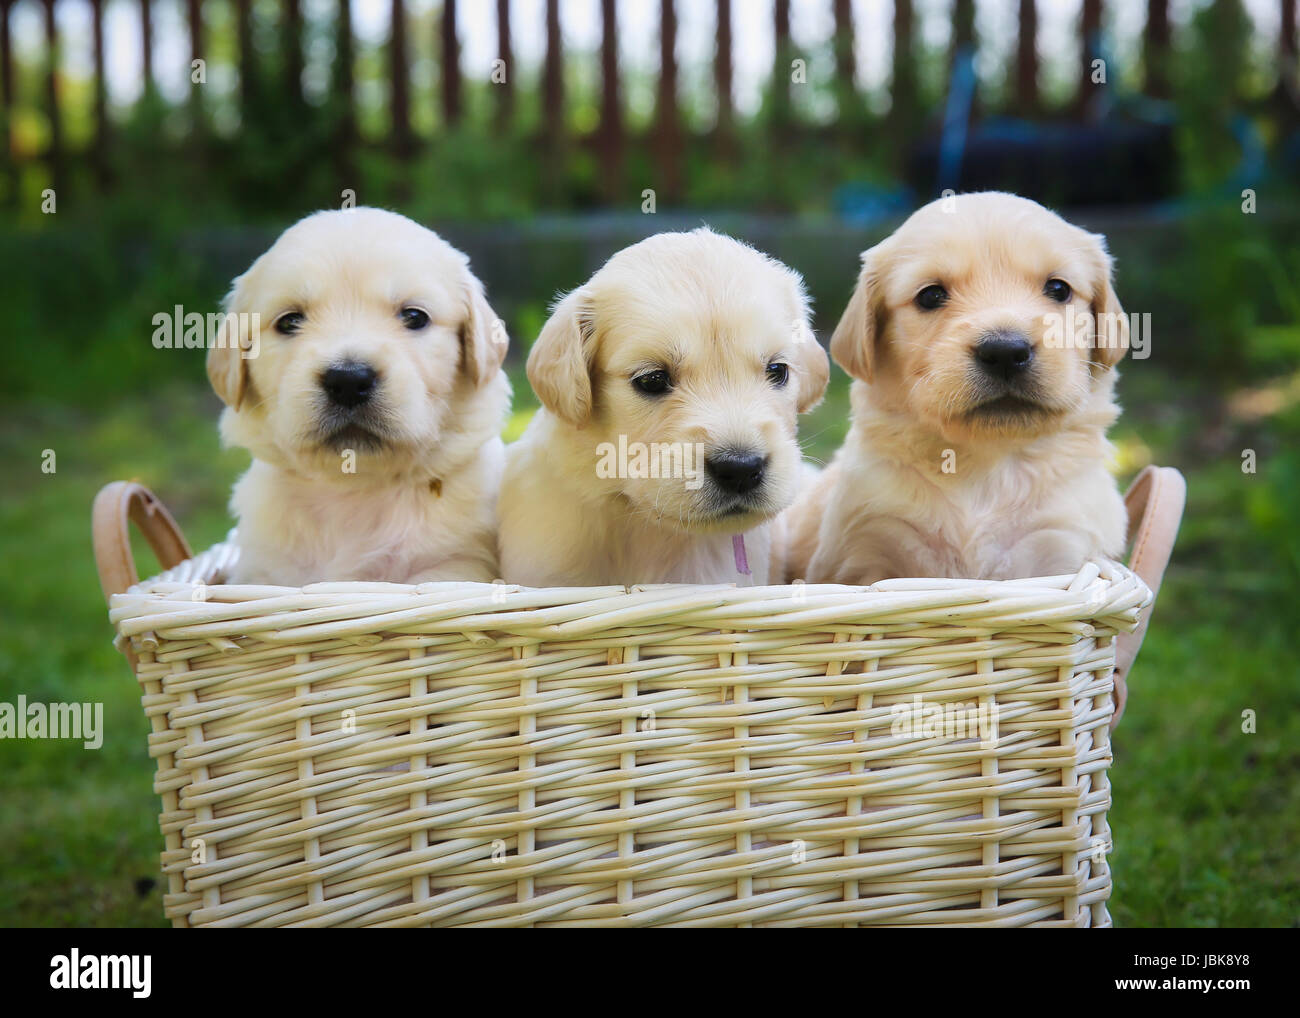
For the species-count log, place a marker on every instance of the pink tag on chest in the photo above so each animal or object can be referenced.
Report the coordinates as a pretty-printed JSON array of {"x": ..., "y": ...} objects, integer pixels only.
[{"x": 738, "y": 547}]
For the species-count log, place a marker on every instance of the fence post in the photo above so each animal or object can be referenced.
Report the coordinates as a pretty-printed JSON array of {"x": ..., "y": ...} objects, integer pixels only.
[
  {"x": 6, "y": 105},
  {"x": 398, "y": 77},
  {"x": 1155, "y": 50},
  {"x": 1089, "y": 50},
  {"x": 506, "y": 88},
  {"x": 722, "y": 81},
  {"x": 194, "y": 15},
  {"x": 553, "y": 100},
  {"x": 668, "y": 130},
  {"x": 846, "y": 62},
  {"x": 1027, "y": 103},
  {"x": 904, "y": 93},
  {"x": 609, "y": 134},
  {"x": 291, "y": 43},
  {"x": 781, "y": 66},
  {"x": 1288, "y": 83},
  {"x": 248, "y": 78},
  {"x": 451, "y": 104},
  {"x": 55, "y": 150},
  {"x": 99, "y": 142},
  {"x": 342, "y": 83},
  {"x": 146, "y": 44}
]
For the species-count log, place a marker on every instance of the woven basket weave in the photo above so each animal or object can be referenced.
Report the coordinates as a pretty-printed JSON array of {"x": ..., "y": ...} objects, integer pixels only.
[{"x": 483, "y": 754}]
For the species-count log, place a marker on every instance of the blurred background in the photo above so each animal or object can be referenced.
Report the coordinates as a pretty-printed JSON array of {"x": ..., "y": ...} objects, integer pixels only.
[{"x": 150, "y": 149}]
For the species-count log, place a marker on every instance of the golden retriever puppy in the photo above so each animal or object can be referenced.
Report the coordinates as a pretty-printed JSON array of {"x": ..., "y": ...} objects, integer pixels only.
[
  {"x": 670, "y": 384},
  {"x": 982, "y": 338},
  {"x": 372, "y": 400}
]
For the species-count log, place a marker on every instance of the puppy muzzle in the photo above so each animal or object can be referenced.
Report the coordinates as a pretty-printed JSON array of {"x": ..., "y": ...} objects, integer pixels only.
[
  {"x": 351, "y": 414},
  {"x": 1005, "y": 355},
  {"x": 738, "y": 481}
]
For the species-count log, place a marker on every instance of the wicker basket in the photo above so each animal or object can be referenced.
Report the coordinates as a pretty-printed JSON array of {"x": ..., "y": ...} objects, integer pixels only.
[{"x": 488, "y": 755}]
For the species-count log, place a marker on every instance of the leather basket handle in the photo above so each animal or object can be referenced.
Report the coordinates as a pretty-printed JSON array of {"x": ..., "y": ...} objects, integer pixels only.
[
  {"x": 1155, "y": 503},
  {"x": 116, "y": 506}
]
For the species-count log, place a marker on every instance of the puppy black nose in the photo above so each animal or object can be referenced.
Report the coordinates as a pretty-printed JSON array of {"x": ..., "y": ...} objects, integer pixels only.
[
  {"x": 1004, "y": 354},
  {"x": 737, "y": 473},
  {"x": 349, "y": 384}
]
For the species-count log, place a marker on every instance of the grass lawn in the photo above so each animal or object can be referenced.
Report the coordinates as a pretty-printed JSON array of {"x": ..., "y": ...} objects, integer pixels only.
[{"x": 1206, "y": 817}]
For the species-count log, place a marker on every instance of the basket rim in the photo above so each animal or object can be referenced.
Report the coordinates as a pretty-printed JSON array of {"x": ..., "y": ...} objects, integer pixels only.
[{"x": 183, "y": 603}]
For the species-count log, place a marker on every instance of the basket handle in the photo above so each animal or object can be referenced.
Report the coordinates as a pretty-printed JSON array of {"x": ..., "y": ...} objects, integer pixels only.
[
  {"x": 117, "y": 505},
  {"x": 1155, "y": 502}
]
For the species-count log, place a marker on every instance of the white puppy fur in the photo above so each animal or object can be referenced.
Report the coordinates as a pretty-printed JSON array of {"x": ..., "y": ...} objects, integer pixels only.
[
  {"x": 691, "y": 342},
  {"x": 373, "y": 406},
  {"x": 977, "y": 445}
]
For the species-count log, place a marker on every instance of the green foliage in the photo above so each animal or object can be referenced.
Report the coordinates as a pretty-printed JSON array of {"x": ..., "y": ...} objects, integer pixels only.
[{"x": 81, "y": 302}]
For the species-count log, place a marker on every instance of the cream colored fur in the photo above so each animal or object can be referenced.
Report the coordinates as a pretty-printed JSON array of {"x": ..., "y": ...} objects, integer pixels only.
[
  {"x": 715, "y": 314},
  {"x": 927, "y": 483},
  {"x": 416, "y": 504}
]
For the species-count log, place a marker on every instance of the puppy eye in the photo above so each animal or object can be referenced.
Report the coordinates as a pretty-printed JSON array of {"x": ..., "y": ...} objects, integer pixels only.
[
  {"x": 414, "y": 319},
  {"x": 931, "y": 297},
  {"x": 778, "y": 374},
  {"x": 289, "y": 322},
  {"x": 1058, "y": 289},
  {"x": 652, "y": 383}
]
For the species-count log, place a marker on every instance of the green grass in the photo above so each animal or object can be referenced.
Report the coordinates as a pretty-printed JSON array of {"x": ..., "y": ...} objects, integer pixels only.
[
  {"x": 78, "y": 828},
  {"x": 1205, "y": 817}
]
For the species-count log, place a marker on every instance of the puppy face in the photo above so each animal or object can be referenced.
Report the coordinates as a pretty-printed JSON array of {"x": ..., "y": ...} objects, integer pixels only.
[
  {"x": 700, "y": 346},
  {"x": 371, "y": 329},
  {"x": 984, "y": 315}
]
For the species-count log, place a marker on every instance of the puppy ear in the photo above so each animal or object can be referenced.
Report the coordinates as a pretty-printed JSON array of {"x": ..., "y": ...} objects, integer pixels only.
[
  {"x": 227, "y": 365},
  {"x": 482, "y": 335},
  {"x": 559, "y": 365},
  {"x": 854, "y": 343},
  {"x": 1110, "y": 324},
  {"x": 813, "y": 365}
]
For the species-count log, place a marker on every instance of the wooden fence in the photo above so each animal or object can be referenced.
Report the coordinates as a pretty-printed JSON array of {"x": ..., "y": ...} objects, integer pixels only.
[{"x": 609, "y": 140}]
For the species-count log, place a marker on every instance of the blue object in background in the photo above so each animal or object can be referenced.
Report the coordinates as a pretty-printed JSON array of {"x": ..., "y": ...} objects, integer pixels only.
[{"x": 956, "y": 118}]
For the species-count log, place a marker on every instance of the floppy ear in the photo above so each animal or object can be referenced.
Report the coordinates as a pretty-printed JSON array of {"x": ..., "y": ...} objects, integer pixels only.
[
  {"x": 814, "y": 366},
  {"x": 482, "y": 335},
  {"x": 559, "y": 365},
  {"x": 1110, "y": 324},
  {"x": 227, "y": 365},
  {"x": 854, "y": 343}
]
